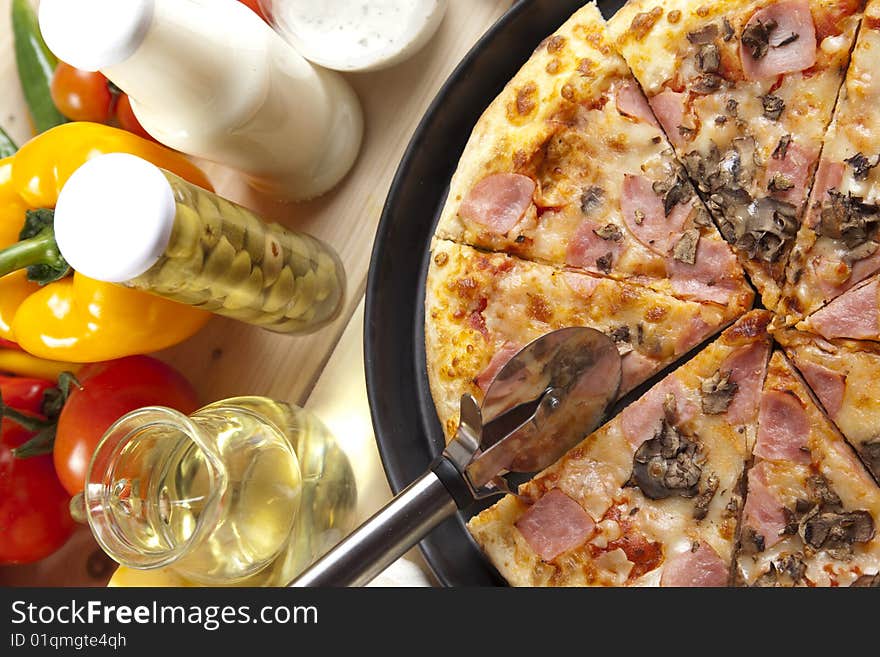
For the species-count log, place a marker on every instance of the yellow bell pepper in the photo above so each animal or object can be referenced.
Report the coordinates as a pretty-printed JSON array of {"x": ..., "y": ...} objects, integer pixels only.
[
  {"x": 76, "y": 318},
  {"x": 160, "y": 577},
  {"x": 22, "y": 363}
]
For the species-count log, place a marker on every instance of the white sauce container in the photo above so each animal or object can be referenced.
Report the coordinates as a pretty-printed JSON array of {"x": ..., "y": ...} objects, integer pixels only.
[{"x": 356, "y": 35}]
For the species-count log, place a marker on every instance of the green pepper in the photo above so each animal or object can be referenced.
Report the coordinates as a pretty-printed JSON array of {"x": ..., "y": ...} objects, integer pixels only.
[
  {"x": 36, "y": 65},
  {"x": 7, "y": 146}
]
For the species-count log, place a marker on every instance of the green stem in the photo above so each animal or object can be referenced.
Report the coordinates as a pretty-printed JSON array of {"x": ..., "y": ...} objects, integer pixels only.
[
  {"x": 41, "y": 249},
  {"x": 7, "y": 146},
  {"x": 40, "y": 444}
]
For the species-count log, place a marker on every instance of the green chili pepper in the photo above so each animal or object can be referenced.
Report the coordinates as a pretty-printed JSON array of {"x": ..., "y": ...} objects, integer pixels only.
[
  {"x": 7, "y": 146},
  {"x": 36, "y": 65}
]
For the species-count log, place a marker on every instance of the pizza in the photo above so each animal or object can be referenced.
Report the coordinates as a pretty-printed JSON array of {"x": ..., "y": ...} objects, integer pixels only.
[
  {"x": 569, "y": 167},
  {"x": 845, "y": 377},
  {"x": 639, "y": 177},
  {"x": 811, "y": 509},
  {"x": 652, "y": 497},
  {"x": 744, "y": 90},
  {"x": 854, "y": 314},
  {"x": 481, "y": 308},
  {"x": 837, "y": 246}
]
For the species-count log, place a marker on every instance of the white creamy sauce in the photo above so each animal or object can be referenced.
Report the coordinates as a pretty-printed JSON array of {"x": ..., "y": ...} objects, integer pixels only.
[{"x": 357, "y": 34}]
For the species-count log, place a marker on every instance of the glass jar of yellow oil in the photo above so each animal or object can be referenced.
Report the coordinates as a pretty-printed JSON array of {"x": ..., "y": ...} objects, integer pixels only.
[{"x": 244, "y": 492}]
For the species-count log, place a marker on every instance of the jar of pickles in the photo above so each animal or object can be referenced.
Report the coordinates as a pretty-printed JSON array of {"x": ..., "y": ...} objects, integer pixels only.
[
  {"x": 123, "y": 220},
  {"x": 247, "y": 492}
]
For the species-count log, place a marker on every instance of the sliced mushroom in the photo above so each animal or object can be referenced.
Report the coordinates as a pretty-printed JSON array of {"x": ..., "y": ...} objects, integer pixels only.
[
  {"x": 592, "y": 199},
  {"x": 707, "y": 83},
  {"x": 770, "y": 226},
  {"x": 780, "y": 183},
  {"x": 756, "y": 37},
  {"x": 870, "y": 453},
  {"x": 861, "y": 165},
  {"x": 781, "y": 149},
  {"x": 820, "y": 492},
  {"x": 609, "y": 232},
  {"x": 707, "y": 492},
  {"x": 848, "y": 218},
  {"x": 773, "y": 106},
  {"x": 727, "y": 30},
  {"x": 836, "y": 533},
  {"x": 867, "y": 581},
  {"x": 788, "y": 570},
  {"x": 706, "y": 34},
  {"x": 668, "y": 464},
  {"x": 708, "y": 58},
  {"x": 685, "y": 249},
  {"x": 717, "y": 392}
]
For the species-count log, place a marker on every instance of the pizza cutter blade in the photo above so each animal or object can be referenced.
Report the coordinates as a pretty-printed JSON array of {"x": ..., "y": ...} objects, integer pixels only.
[{"x": 550, "y": 395}]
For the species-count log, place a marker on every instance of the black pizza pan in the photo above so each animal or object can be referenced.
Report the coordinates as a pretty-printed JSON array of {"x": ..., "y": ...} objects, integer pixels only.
[{"x": 405, "y": 423}]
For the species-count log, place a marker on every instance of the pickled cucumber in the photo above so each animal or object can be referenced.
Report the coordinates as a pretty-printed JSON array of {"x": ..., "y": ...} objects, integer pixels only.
[{"x": 223, "y": 258}]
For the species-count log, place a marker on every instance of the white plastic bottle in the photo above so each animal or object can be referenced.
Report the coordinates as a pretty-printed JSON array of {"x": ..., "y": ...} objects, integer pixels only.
[{"x": 210, "y": 78}]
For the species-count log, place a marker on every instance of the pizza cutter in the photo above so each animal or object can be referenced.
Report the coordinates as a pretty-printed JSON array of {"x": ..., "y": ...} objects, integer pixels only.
[{"x": 550, "y": 395}]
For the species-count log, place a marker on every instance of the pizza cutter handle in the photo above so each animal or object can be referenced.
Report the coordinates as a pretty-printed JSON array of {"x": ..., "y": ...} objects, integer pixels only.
[{"x": 386, "y": 536}]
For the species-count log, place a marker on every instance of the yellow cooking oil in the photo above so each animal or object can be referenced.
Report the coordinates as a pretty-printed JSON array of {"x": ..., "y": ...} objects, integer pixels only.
[{"x": 248, "y": 491}]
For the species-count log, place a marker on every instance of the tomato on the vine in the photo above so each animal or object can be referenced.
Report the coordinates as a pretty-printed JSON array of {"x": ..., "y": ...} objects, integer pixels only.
[
  {"x": 127, "y": 119},
  {"x": 107, "y": 392},
  {"x": 81, "y": 95},
  {"x": 34, "y": 516}
]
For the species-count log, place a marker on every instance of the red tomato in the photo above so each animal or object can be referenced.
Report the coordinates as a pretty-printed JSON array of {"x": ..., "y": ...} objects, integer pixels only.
[
  {"x": 34, "y": 516},
  {"x": 23, "y": 394},
  {"x": 127, "y": 119},
  {"x": 81, "y": 95},
  {"x": 109, "y": 391}
]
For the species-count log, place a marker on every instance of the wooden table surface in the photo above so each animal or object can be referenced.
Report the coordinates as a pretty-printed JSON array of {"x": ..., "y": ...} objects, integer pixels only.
[{"x": 323, "y": 371}]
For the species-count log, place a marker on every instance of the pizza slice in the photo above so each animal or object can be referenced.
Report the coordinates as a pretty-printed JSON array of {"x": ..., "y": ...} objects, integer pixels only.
[
  {"x": 569, "y": 167},
  {"x": 845, "y": 376},
  {"x": 854, "y": 314},
  {"x": 744, "y": 90},
  {"x": 811, "y": 508},
  {"x": 652, "y": 497},
  {"x": 837, "y": 246},
  {"x": 481, "y": 308}
]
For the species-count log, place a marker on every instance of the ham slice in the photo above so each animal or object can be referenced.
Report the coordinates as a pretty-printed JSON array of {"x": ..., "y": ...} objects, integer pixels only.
[
  {"x": 746, "y": 366},
  {"x": 582, "y": 284},
  {"x": 791, "y": 17},
  {"x": 586, "y": 248},
  {"x": 762, "y": 512},
  {"x": 829, "y": 386},
  {"x": 709, "y": 278},
  {"x": 795, "y": 169},
  {"x": 641, "y": 419},
  {"x": 783, "y": 428},
  {"x": 498, "y": 201},
  {"x": 691, "y": 335},
  {"x": 668, "y": 107},
  {"x": 700, "y": 567},
  {"x": 499, "y": 360},
  {"x": 645, "y": 218},
  {"x": 631, "y": 102},
  {"x": 635, "y": 368},
  {"x": 851, "y": 315},
  {"x": 555, "y": 524}
]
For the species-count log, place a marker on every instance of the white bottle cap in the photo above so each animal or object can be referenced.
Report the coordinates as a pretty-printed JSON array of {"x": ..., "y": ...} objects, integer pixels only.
[
  {"x": 114, "y": 217},
  {"x": 93, "y": 34}
]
